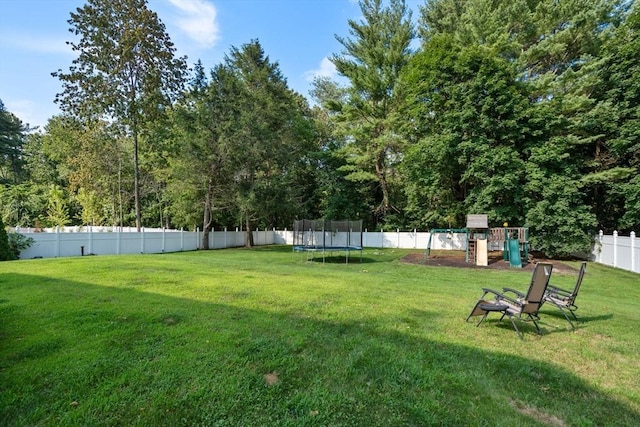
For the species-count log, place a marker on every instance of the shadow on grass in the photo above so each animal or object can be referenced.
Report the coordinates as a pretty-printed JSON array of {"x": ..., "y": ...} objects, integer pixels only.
[
  {"x": 128, "y": 357},
  {"x": 581, "y": 319},
  {"x": 334, "y": 256},
  {"x": 338, "y": 259},
  {"x": 527, "y": 327}
]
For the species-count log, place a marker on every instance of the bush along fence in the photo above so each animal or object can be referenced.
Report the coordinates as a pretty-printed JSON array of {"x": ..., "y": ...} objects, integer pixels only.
[{"x": 613, "y": 250}]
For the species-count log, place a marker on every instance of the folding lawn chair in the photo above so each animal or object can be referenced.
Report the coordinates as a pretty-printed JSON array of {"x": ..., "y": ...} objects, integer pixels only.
[
  {"x": 523, "y": 304},
  {"x": 565, "y": 300}
]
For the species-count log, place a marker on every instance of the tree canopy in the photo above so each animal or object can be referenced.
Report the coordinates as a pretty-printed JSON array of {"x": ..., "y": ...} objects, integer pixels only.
[
  {"x": 125, "y": 70},
  {"x": 372, "y": 59},
  {"x": 525, "y": 110}
]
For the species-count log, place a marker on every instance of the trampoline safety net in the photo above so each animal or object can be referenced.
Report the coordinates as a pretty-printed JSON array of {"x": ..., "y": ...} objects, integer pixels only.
[{"x": 322, "y": 235}]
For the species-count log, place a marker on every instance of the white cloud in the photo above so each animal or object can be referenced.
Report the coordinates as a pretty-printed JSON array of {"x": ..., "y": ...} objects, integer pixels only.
[
  {"x": 198, "y": 21},
  {"x": 326, "y": 69}
]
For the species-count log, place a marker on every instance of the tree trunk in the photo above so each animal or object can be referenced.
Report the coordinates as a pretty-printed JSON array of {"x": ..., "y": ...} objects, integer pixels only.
[
  {"x": 205, "y": 238},
  {"x": 136, "y": 179},
  {"x": 249, "y": 239},
  {"x": 206, "y": 221},
  {"x": 121, "y": 216},
  {"x": 382, "y": 180}
]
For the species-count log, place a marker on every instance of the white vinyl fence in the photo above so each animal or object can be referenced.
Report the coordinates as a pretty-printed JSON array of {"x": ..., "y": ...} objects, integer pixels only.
[
  {"x": 106, "y": 242},
  {"x": 74, "y": 241},
  {"x": 618, "y": 251},
  {"x": 614, "y": 250}
]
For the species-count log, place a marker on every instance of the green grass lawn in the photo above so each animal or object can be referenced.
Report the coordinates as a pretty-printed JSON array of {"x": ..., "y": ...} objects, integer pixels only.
[{"x": 264, "y": 337}]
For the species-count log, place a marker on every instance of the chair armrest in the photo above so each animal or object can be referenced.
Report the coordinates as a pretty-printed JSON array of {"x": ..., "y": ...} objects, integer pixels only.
[
  {"x": 490, "y": 291},
  {"x": 499, "y": 296},
  {"x": 520, "y": 294},
  {"x": 555, "y": 290}
]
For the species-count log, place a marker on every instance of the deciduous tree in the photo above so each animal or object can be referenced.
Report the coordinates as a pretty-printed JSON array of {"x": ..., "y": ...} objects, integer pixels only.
[
  {"x": 93, "y": 165},
  {"x": 126, "y": 70},
  {"x": 557, "y": 51},
  {"x": 469, "y": 116}
]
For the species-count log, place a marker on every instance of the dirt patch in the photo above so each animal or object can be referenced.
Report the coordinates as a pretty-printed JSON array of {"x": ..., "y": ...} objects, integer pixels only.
[
  {"x": 536, "y": 414},
  {"x": 271, "y": 379},
  {"x": 496, "y": 262}
]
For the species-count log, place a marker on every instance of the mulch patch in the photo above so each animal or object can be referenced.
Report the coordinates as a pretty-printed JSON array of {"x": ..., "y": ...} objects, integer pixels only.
[{"x": 495, "y": 262}]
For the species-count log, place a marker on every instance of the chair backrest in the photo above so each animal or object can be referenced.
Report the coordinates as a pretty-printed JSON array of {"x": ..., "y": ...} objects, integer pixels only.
[
  {"x": 583, "y": 269},
  {"x": 539, "y": 282}
]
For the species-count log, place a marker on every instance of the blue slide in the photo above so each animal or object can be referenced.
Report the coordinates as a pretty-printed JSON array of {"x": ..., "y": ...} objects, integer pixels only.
[{"x": 514, "y": 253}]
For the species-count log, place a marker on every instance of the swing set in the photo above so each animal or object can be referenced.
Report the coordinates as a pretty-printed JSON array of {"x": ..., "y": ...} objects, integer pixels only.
[{"x": 514, "y": 241}]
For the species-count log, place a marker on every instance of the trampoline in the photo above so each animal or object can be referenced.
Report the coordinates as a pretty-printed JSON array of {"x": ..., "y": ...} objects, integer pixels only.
[{"x": 327, "y": 236}]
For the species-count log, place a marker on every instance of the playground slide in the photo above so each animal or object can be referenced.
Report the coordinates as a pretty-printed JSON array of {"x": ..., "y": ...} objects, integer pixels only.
[{"x": 514, "y": 253}]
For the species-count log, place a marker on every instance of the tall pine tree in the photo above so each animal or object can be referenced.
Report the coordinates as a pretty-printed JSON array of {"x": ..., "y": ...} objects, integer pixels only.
[{"x": 373, "y": 57}]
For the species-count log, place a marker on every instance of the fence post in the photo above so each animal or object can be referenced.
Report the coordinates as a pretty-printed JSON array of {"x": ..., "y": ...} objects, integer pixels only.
[
  {"x": 382, "y": 238},
  {"x": 164, "y": 240},
  {"x": 57, "y": 241},
  {"x": 90, "y": 240},
  {"x": 615, "y": 248},
  {"x": 142, "y": 240},
  {"x": 632, "y": 236},
  {"x": 601, "y": 237},
  {"x": 415, "y": 238}
]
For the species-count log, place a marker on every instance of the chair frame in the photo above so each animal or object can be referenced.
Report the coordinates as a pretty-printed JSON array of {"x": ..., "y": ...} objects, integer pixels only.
[
  {"x": 564, "y": 300},
  {"x": 522, "y": 305}
]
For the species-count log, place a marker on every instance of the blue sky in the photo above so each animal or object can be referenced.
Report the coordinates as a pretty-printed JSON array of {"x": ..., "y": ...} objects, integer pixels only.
[{"x": 298, "y": 34}]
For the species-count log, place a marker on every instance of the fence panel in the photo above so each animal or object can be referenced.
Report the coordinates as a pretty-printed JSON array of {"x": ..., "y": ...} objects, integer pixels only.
[
  {"x": 43, "y": 246},
  {"x": 283, "y": 237},
  {"x": 103, "y": 244},
  {"x": 617, "y": 251},
  {"x": 173, "y": 241},
  {"x": 449, "y": 241},
  {"x": 59, "y": 244},
  {"x": 218, "y": 239}
]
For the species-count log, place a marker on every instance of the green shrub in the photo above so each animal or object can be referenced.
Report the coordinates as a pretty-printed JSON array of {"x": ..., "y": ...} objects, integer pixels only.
[
  {"x": 18, "y": 243},
  {"x": 11, "y": 244},
  {"x": 5, "y": 251}
]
